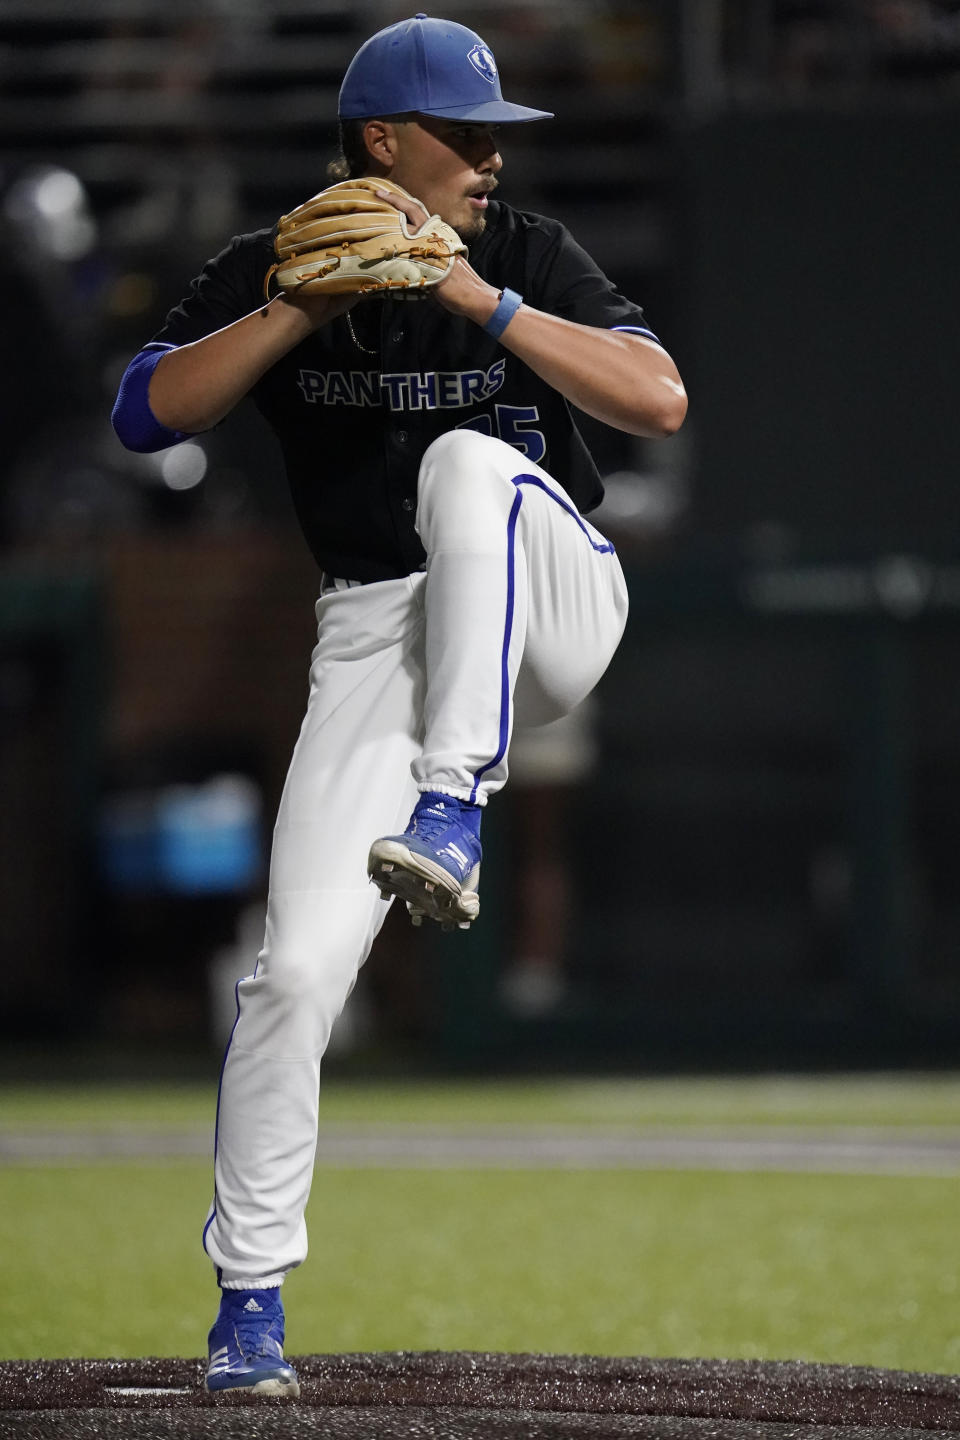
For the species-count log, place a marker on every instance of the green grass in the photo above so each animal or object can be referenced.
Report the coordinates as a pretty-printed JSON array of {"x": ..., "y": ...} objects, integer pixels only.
[
  {"x": 665, "y": 1264},
  {"x": 104, "y": 1259}
]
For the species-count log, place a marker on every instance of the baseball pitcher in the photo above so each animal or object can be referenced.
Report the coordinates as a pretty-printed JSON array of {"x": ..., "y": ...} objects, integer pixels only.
[{"x": 418, "y": 347}]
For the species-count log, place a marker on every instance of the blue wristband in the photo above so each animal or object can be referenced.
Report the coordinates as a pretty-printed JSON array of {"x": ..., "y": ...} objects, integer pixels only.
[{"x": 508, "y": 306}]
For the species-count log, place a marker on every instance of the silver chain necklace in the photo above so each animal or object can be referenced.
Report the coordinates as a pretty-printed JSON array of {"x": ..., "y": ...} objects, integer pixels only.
[{"x": 353, "y": 336}]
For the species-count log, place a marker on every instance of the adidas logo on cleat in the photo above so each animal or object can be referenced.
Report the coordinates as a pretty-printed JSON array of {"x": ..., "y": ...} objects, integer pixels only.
[
  {"x": 253, "y": 1306},
  {"x": 219, "y": 1361},
  {"x": 455, "y": 853}
]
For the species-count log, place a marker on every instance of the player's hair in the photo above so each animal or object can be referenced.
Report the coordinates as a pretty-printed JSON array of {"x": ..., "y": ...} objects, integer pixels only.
[{"x": 354, "y": 157}]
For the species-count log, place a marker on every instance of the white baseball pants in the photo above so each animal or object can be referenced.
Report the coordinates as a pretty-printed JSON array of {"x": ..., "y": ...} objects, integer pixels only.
[{"x": 414, "y": 685}]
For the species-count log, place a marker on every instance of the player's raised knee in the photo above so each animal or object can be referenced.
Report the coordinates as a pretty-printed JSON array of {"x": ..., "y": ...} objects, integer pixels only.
[
  {"x": 461, "y": 464},
  {"x": 458, "y": 447},
  {"x": 464, "y": 493}
]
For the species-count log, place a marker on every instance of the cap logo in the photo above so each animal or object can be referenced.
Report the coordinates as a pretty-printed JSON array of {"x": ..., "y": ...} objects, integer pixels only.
[{"x": 484, "y": 63}]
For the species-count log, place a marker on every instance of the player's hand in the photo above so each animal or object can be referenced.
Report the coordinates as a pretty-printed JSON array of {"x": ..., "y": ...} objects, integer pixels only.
[
  {"x": 462, "y": 292},
  {"x": 415, "y": 211},
  {"x": 319, "y": 310}
]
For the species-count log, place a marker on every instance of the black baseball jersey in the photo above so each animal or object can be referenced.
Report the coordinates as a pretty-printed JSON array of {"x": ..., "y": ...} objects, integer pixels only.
[{"x": 357, "y": 403}]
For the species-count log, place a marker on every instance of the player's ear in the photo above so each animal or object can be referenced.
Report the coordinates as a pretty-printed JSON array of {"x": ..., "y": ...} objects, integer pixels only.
[{"x": 380, "y": 138}]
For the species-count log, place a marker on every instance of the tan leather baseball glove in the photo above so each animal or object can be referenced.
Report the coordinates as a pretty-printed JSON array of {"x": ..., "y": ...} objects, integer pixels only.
[{"x": 347, "y": 241}]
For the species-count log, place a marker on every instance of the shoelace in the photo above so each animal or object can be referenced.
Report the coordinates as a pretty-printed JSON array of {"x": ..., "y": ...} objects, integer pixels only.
[
  {"x": 432, "y": 822},
  {"x": 254, "y": 1331}
]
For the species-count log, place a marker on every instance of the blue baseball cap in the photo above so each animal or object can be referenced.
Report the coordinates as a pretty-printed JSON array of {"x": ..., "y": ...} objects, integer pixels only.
[{"x": 431, "y": 67}]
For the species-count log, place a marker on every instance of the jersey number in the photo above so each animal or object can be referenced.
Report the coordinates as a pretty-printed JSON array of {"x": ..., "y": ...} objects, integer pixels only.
[{"x": 513, "y": 426}]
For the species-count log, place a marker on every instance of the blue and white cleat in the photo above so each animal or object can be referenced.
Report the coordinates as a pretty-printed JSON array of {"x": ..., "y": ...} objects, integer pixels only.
[
  {"x": 246, "y": 1347},
  {"x": 435, "y": 864}
]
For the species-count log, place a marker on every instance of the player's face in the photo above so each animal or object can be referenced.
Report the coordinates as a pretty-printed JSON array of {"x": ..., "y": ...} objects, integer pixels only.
[{"x": 449, "y": 165}]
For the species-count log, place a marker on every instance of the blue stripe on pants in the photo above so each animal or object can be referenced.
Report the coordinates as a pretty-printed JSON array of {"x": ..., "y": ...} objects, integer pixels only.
[{"x": 604, "y": 549}]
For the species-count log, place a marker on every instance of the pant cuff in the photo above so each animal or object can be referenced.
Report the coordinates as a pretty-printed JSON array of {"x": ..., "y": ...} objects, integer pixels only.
[
  {"x": 458, "y": 792},
  {"x": 264, "y": 1282}
]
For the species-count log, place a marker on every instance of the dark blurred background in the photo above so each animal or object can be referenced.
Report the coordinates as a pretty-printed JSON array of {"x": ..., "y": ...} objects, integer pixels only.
[{"x": 746, "y": 853}]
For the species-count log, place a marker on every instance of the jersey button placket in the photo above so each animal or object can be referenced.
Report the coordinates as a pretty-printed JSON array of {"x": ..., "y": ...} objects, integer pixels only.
[{"x": 401, "y": 435}]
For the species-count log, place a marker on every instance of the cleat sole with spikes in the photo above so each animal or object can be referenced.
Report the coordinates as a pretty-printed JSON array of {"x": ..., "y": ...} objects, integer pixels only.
[{"x": 429, "y": 891}]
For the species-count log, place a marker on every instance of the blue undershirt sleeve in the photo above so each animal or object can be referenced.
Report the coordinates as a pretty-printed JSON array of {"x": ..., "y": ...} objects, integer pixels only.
[{"x": 133, "y": 420}]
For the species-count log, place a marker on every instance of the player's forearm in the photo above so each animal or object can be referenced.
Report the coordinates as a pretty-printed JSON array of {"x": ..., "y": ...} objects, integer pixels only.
[
  {"x": 619, "y": 378},
  {"x": 196, "y": 385}
]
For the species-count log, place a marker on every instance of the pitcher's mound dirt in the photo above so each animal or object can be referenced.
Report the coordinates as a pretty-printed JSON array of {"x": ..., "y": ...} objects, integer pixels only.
[{"x": 472, "y": 1396}]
